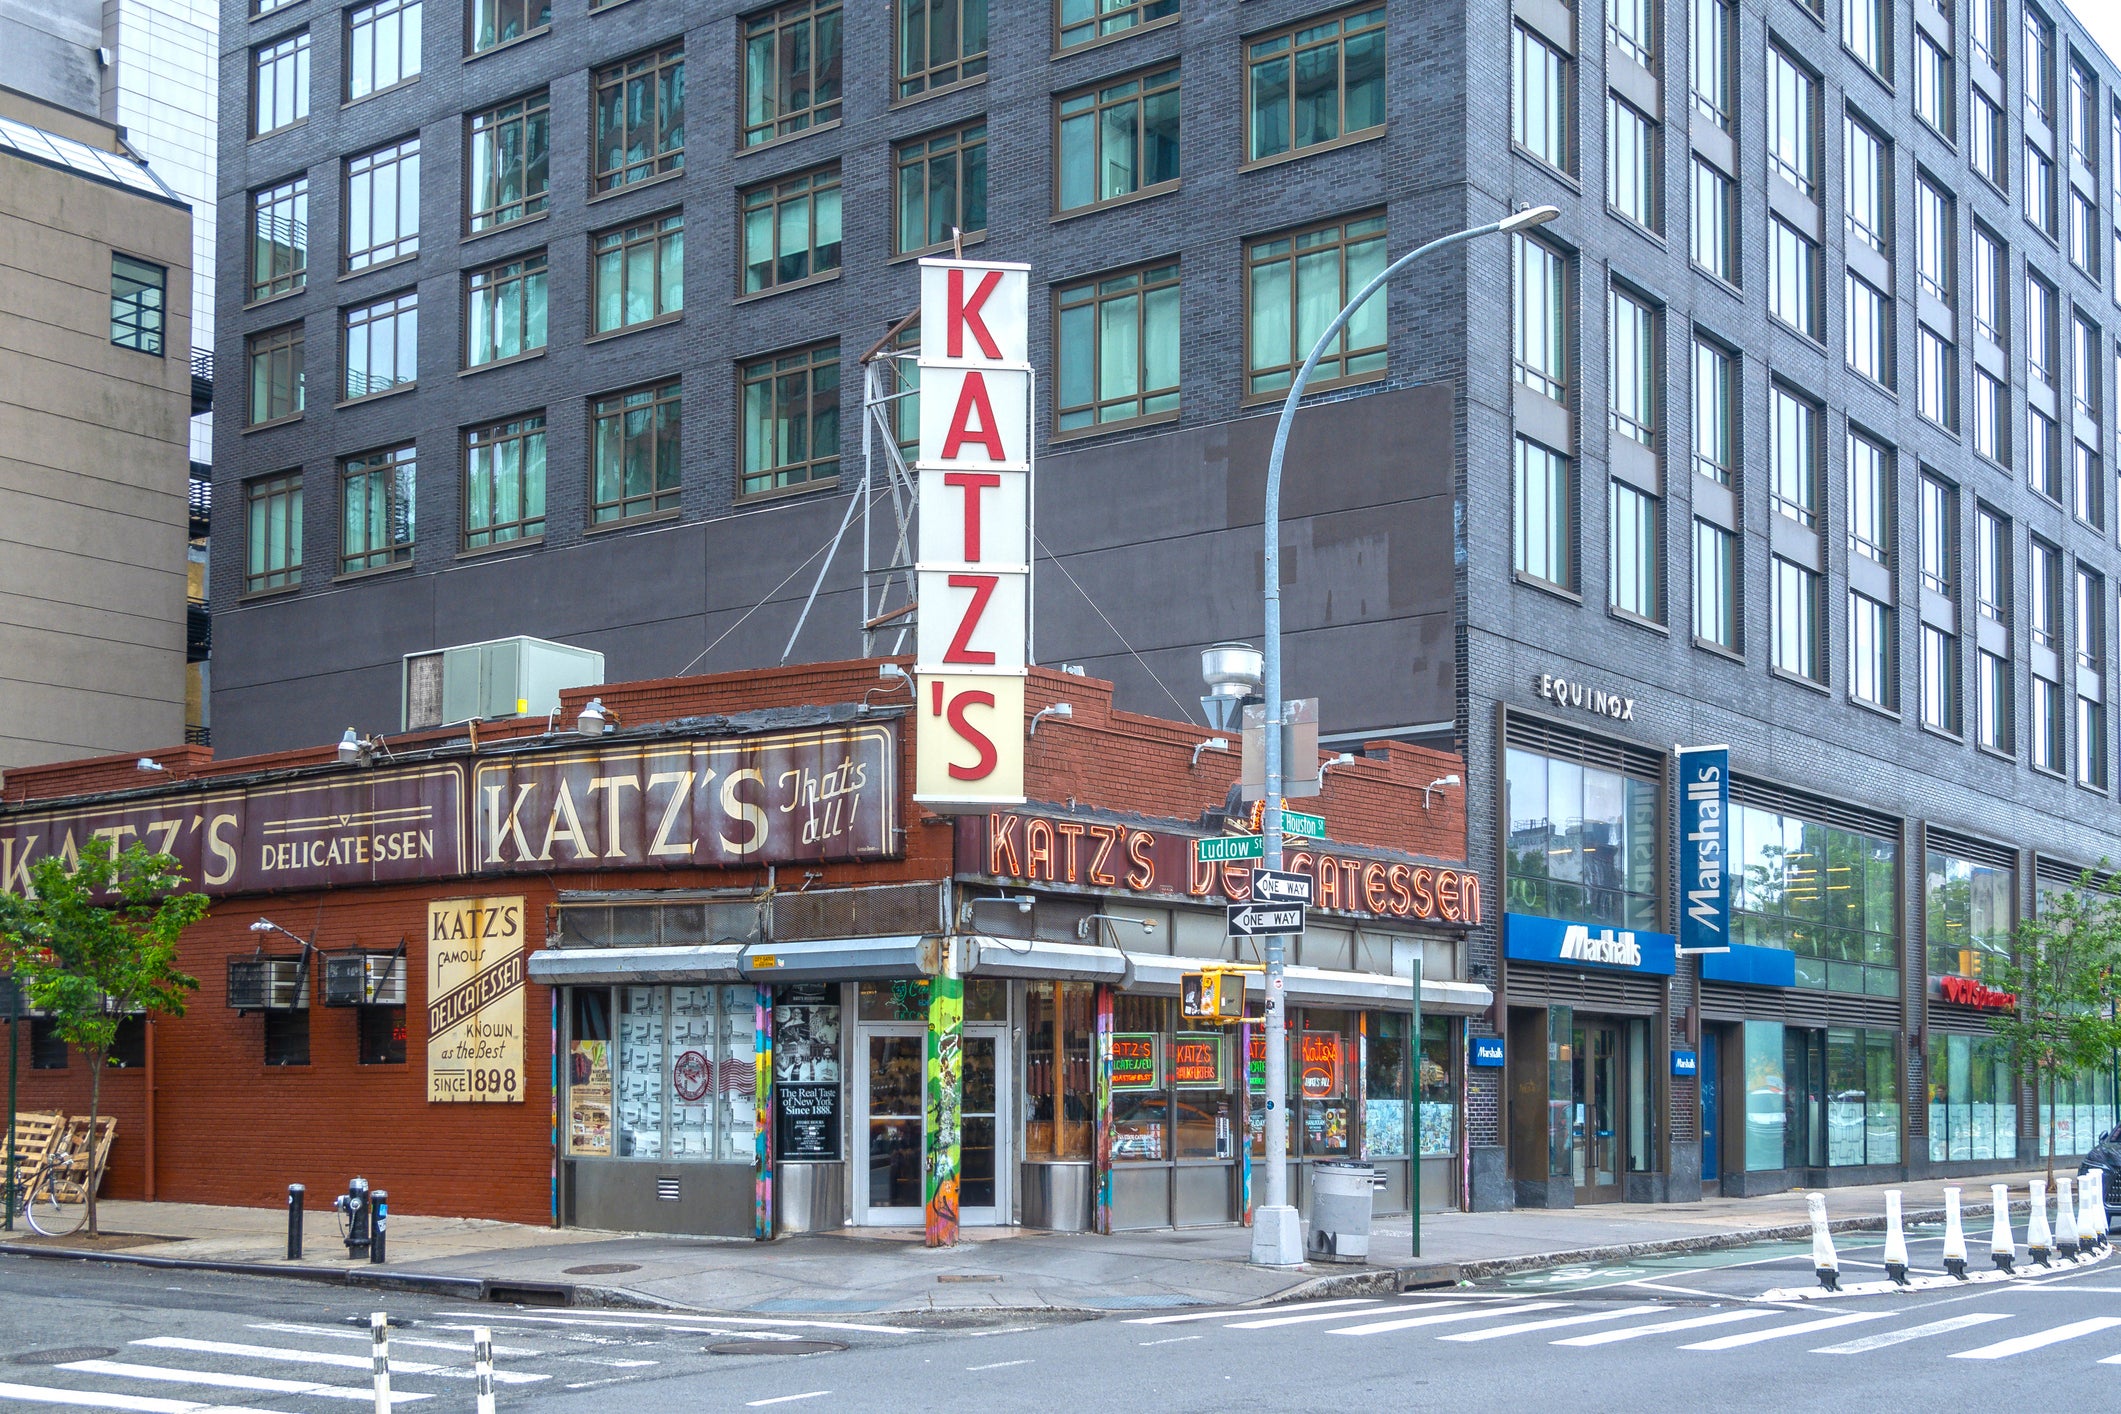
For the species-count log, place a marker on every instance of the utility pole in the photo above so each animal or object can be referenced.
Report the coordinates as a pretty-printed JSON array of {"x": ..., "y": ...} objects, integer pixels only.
[{"x": 1276, "y": 1234}]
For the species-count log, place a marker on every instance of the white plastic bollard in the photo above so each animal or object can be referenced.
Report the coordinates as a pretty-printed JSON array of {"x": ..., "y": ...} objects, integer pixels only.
[
  {"x": 2099, "y": 1222},
  {"x": 2002, "y": 1243},
  {"x": 379, "y": 1328},
  {"x": 2088, "y": 1224},
  {"x": 2065, "y": 1220},
  {"x": 1895, "y": 1240},
  {"x": 1954, "y": 1236},
  {"x": 2039, "y": 1242},
  {"x": 482, "y": 1366},
  {"x": 1824, "y": 1262}
]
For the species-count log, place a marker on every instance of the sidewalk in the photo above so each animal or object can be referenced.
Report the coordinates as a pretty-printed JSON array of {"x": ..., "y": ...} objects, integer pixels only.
[{"x": 995, "y": 1271}]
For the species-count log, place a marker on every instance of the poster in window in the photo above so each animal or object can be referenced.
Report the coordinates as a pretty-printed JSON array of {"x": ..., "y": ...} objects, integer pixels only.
[
  {"x": 475, "y": 1001},
  {"x": 589, "y": 1098},
  {"x": 1320, "y": 1071},
  {"x": 806, "y": 1035},
  {"x": 1134, "y": 1058},
  {"x": 1197, "y": 1060}
]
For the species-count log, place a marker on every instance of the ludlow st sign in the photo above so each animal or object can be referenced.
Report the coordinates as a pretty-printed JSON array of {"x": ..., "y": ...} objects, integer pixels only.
[{"x": 775, "y": 797}]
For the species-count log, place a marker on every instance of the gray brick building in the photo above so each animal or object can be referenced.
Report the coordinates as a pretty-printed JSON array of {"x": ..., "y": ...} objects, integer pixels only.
[{"x": 1793, "y": 432}]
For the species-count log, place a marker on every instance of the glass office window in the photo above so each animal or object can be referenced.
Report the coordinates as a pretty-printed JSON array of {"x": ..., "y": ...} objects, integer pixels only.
[
  {"x": 504, "y": 482},
  {"x": 941, "y": 187},
  {"x": 382, "y": 204},
  {"x": 511, "y": 172},
  {"x": 791, "y": 230},
  {"x": 1117, "y": 139},
  {"x": 504, "y": 310},
  {"x": 376, "y": 503},
  {"x": 938, "y": 43},
  {"x": 634, "y": 453},
  {"x": 279, "y": 239},
  {"x": 1543, "y": 545},
  {"x": 790, "y": 419},
  {"x": 1827, "y": 893},
  {"x": 637, "y": 273},
  {"x": 791, "y": 69},
  {"x": 1317, "y": 82},
  {"x": 273, "y": 548},
  {"x": 1634, "y": 551},
  {"x": 1582, "y": 841},
  {"x": 1116, "y": 341},
  {"x": 1296, "y": 283}
]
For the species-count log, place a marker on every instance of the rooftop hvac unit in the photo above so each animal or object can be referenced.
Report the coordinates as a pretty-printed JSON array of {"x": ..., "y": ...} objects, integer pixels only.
[
  {"x": 504, "y": 677},
  {"x": 364, "y": 979},
  {"x": 267, "y": 984}
]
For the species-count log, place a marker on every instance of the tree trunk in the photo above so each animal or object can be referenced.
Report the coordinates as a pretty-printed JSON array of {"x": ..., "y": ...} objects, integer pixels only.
[
  {"x": 2050, "y": 1124},
  {"x": 96, "y": 1061}
]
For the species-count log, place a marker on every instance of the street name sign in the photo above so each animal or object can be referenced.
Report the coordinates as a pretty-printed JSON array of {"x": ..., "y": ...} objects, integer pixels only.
[
  {"x": 1279, "y": 886},
  {"x": 1253, "y": 920},
  {"x": 1295, "y": 822},
  {"x": 1226, "y": 849}
]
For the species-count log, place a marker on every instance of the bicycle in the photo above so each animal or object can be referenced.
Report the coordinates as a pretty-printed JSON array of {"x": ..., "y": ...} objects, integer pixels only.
[{"x": 47, "y": 1196}]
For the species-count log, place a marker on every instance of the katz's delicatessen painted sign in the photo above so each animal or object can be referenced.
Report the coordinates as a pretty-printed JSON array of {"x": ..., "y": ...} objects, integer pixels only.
[
  {"x": 475, "y": 1001},
  {"x": 1101, "y": 856},
  {"x": 777, "y": 797}
]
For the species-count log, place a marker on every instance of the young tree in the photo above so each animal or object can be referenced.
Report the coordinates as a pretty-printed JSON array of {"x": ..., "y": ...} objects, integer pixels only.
[
  {"x": 2062, "y": 971},
  {"x": 95, "y": 944}
]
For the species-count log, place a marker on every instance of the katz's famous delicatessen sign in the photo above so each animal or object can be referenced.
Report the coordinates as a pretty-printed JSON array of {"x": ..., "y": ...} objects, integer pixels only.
[
  {"x": 1100, "y": 856},
  {"x": 807, "y": 795},
  {"x": 475, "y": 1001}
]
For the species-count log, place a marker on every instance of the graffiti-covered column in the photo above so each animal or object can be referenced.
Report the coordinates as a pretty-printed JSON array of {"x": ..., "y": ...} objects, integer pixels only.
[
  {"x": 1101, "y": 1159},
  {"x": 945, "y": 1102},
  {"x": 762, "y": 1112}
]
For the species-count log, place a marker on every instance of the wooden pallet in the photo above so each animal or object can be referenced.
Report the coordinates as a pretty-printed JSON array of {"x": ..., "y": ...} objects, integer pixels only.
[
  {"x": 73, "y": 1182},
  {"x": 33, "y": 1137}
]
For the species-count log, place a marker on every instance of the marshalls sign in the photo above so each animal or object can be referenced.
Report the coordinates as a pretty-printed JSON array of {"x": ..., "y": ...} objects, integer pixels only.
[
  {"x": 1704, "y": 849},
  {"x": 475, "y": 1001},
  {"x": 974, "y": 566}
]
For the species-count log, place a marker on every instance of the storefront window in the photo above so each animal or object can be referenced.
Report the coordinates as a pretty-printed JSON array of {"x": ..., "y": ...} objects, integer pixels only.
[
  {"x": 1439, "y": 1090},
  {"x": 1386, "y": 1061},
  {"x": 1823, "y": 893},
  {"x": 1766, "y": 1111},
  {"x": 986, "y": 999},
  {"x": 2082, "y": 1109},
  {"x": 681, "y": 1081},
  {"x": 1141, "y": 1094},
  {"x": 1583, "y": 842},
  {"x": 1201, "y": 1077},
  {"x": 1060, "y": 1099},
  {"x": 1973, "y": 1101},
  {"x": 1969, "y": 916},
  {"x": 1322, "y": 1081},
  {"x": 1842, "y": 1099}
]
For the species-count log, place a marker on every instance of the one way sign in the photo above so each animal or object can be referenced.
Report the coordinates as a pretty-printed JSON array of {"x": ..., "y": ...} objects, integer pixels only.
[
  {"x": 1280, "y": 886},
  {"x": 1253, "y": 920}
]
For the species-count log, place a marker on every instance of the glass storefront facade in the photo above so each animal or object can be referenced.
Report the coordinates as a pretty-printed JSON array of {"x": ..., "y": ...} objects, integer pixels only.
[
  {"x": 1968, "y": 915},
  {"x": 1820, "y": 1097},
  {"x": 1583, "y": 842},
  {"x": 662, "y": 1073},
  {"x": 1973, "y": 1099},
  {"x": 2082, "y": 1109},
  {"x": 1826, "y": 894}
]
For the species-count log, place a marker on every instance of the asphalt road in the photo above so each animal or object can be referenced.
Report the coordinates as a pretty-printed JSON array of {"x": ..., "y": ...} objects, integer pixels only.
[{"x": 1657, "y": 1338}]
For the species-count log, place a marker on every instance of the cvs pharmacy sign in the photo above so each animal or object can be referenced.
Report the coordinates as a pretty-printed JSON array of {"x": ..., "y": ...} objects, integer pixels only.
[{"x": 974, "y": 563}]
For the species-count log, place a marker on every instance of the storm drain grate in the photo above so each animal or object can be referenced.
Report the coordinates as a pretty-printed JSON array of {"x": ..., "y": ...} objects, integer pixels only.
[
  {"x": 603, "y": 1269},
  {"x": 64, "y": 1355},
  {"x": 777, "y": 1347}
]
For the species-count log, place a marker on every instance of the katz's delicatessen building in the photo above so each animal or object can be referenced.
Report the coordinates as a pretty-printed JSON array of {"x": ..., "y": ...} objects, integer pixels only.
[{"x": 701, "y": 963}]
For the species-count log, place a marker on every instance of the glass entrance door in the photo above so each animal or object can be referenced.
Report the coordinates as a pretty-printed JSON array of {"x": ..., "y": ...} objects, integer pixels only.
[
  {"x": 893, "y": 1075},
  {"x": 1597, "y": 1083},
  {"x": 1709, "y": 1069}
]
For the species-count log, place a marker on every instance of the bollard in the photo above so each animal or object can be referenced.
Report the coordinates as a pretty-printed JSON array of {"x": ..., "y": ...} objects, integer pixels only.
[
  {"x": 2065, "y": 1221},
  {"x": 380, "y": 1206},
  {"x": 2098, "y": 1179},
  {"x": 379, "y": 1329},
  {"x": 294, "y": 1222},
  {"x": 482, "y": 1366},
  {"x": 2039, "y": 1241},
  {"x": 1895, "y": 1240},
  {"x": 2089, "y": 1236},
  {"x": 1824, "y": 1262},
  {"x": 2002, "y": 1244},
  {"x": 1954, "y": 1236}
]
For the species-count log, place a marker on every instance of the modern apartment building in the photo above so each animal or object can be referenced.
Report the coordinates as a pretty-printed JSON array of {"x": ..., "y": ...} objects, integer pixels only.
[
  {"x": 95, "y": 390},
  {"x": 1792, "y": 433}
]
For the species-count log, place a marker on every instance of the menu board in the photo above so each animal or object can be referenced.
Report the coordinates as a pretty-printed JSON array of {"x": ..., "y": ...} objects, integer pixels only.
[
  {"x": 1320, "y": 1070},
  {"x": 806, "y": 1072},
  {"x": 1134, "y": 1058},
  {"x": 1197, "y": 1060},
  {"x": 589, "y": 1098}
]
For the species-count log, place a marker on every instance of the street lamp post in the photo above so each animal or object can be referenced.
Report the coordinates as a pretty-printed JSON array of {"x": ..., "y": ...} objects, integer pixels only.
[{"x": 1276, "y": 1241}]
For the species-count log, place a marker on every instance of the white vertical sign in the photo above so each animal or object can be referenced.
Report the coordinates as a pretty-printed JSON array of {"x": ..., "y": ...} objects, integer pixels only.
[{"x": 974, "y": 563}]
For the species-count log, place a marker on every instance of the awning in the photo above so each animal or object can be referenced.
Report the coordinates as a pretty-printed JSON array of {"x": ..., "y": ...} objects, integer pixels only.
[
  {"x": 1160, "y": 973},
  {"x": 817, "y": 959},
  {"x": 1030, "y": 957}
]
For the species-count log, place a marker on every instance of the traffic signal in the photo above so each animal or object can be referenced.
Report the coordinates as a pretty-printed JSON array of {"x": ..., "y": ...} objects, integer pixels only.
[{"x": 1214, "y": 994}]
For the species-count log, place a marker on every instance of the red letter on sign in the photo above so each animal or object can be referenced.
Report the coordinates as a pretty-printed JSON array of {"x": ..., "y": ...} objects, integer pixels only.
[
  {"x": 972, "y": 398},
  {"x": 963, "y": 314},
  {"x": 972, "y": 483},
  {"x": 982, "y": 587},
  {"x": 971, "y": 735}
]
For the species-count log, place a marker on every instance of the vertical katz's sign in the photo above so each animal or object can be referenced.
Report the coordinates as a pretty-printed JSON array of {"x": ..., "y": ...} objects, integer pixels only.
[
  {"x": 1704, "y": 849},
  {"x": 475, "y": 1001},
  {"x": 974, "y": 564}
]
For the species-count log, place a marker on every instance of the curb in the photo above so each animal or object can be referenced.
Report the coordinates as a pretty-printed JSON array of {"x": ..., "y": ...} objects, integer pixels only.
[{"x": 462, "y": 1288}]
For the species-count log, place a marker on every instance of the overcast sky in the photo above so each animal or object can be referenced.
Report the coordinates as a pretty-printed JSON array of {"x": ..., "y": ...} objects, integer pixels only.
[{"x": 2103, "y": 19}]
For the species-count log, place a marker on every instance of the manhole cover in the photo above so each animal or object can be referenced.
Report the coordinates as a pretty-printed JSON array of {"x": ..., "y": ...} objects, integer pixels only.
[
  {"x": 603, "y": 1269},
  {"x": 777, "y": 1347},
  {"x": 65, "y": 1355},
  {"x": 980, "y": 1277}
]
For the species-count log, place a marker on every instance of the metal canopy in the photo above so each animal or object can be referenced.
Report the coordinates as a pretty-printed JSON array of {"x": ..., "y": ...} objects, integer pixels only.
[{"x": 818, "y": 960}]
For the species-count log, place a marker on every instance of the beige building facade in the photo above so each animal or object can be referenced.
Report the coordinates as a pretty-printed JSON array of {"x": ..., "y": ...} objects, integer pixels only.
[{"x": 95, "y": 402}]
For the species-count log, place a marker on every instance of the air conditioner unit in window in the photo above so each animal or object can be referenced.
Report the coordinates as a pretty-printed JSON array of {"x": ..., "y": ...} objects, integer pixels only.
[
  {"x": 364, "y": 979},
  {"x": 267, "y": 984}
]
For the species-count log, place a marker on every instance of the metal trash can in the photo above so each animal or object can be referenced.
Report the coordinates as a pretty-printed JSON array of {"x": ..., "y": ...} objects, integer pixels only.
[{"x": 1340, "y": 1211}]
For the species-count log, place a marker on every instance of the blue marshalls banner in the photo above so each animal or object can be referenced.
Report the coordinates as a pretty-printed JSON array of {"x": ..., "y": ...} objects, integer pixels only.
[{"x": 1704, "y": 849}]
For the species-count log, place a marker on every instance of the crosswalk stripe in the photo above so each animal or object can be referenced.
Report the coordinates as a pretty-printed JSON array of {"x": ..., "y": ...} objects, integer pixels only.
[
  {"x": 396, "y": 1340},
  {"x": 1553, "y": 1323},
  {"x": 128, "y": 1403},
  {"x": 682, "y": 1325},
  {"x": 1269, "y": 1321},
  {"x": 218, "y": 1379},
  {"x": 1721, "y": 1318},
  {"x": 1825, "y": 1323},
  {"x": 1868, "y": 1343},
  {"x": 327, "y": 1357},
  {"x": 2018, "y": 1345},
  {"x": 1408, "y": 1322},
  {"x": 1240, "y": 1311}
]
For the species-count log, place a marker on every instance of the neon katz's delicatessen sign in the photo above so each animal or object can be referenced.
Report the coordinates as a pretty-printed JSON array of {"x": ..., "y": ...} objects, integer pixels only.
[
  {"x": 777, "y": 797},
  {"x": 1104, "y": 856}
]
